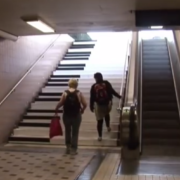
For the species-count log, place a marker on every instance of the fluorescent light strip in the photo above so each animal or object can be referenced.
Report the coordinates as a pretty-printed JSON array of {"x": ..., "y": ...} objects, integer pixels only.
[
  {"x": 38, "y": 24},
  {"x": 156, "y": 27}
]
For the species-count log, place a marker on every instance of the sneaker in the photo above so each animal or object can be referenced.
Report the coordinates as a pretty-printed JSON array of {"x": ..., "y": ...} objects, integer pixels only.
[
  {"x": 74, "y": 152},
  {"x": 109, "y": 129},
  {"x": 99, "y": 138},
  {"x": 68, "y": 150}
]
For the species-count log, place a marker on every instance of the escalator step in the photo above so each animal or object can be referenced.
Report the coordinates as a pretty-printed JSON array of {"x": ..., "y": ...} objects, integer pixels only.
[
  {"x": 155, "y": 56},
  {"x": 160, "y": 123},
  {"x": 156, "y": 66},
  {"x": 161, "y": 133},
  {"x": 154, "y": 48},
  {"x": 166, "y": 115},
  {"x": 160, "y": 106},
  {"x": 158, "y": 98}
]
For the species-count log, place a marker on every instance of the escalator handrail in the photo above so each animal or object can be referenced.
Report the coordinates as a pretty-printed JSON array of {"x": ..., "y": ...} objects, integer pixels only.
[
  {"x": 141, "y": 96},
  {"x": 173, "y": 74},
  {"x": 124, "y": 78}
]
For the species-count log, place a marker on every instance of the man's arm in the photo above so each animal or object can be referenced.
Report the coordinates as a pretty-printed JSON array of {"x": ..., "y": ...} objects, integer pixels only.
[
  {"x": 92, "y": 98},
  {"x": 113, "y": 92}
]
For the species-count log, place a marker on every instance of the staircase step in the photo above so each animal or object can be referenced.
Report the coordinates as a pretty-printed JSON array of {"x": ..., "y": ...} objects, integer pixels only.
[
  {"x": 46, "y": 99},
  {"x": 40, "y": 132},
  {"x": 77, "y": 53},
  {"x": 43, "y": 111},
  {"x": 83, "y": 46},
  {"x": 56, "y": 84},
  {"x": 73, "y": 65},
  {"x": 38, "y": 117},
  {"x": 58, "y": 80},
  {"x": 65, "y": 76},
  {"x": 29, "y": 139},
  {"x": 69, "y": 68},
  {"x": 46, "y": 124},
  {"x": 60, "y": 141},
  {"x": 78, "y": 58},
  {"x": 50, "y": 94}
]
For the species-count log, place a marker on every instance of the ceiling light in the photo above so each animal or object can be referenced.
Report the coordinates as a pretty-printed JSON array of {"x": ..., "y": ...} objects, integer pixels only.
[
  {"x": 156, "y": 27},
  {"x": 38, "y": 24}
]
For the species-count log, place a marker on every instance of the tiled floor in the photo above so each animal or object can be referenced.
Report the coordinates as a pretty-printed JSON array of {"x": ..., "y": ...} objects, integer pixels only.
[
  {"x": 33, "y": 163},
  {"x": 41, "y": 166}
]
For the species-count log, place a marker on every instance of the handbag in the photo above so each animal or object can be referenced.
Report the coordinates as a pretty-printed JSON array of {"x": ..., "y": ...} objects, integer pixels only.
[{"x": 55, "y": 128}]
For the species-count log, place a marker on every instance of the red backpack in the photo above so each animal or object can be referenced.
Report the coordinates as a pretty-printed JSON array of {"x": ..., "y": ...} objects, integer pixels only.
[{"x": 101, "y": 91}]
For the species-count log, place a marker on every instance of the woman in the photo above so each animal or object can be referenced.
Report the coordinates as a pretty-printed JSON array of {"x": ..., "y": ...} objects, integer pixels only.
[{"x": 74, "y": 104}]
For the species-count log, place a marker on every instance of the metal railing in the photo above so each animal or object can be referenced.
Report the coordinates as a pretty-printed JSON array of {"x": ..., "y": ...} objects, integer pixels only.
[
  {"x": 129, "y": 119},
  {"x": 29, "y": 70},
  {"x": 123, "y": 89},
  {"x": 140, "y": 98},
  {"x": 124, "y": 78}
]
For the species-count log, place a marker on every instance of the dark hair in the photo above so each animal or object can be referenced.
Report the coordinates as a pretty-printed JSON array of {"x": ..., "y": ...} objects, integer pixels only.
[{"x": 98, "y": 76}]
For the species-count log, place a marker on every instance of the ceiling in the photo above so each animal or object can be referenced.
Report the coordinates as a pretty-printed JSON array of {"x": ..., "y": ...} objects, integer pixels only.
[{"x": 76, "y": 16}]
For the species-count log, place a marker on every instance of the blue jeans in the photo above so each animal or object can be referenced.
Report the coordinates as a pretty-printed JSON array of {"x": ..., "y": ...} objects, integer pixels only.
[{"x": 72, "y": 125}]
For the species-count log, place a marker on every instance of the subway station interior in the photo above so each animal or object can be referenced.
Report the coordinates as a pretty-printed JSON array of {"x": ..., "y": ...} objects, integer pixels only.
[{"x": 136, "y": 47}]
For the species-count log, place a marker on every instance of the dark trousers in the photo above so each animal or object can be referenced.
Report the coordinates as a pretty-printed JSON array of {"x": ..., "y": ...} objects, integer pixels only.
[
  {"x": 100, "y": 124},
  {"x": 72, "y": 125}
]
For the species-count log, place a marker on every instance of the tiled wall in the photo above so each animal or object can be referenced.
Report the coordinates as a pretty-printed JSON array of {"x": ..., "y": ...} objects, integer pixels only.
[{"x": 15, "y": 60}]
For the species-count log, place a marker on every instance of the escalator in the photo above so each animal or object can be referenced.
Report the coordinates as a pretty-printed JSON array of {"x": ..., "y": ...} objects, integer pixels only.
[{"x": 160, "y": 117}]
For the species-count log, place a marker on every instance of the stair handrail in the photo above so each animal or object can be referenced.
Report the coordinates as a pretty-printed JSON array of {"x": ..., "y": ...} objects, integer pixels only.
[{"x": 28, "y": 71}]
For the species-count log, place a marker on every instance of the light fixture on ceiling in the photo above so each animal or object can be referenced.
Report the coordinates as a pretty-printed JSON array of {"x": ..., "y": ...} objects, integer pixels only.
[
  {"x": 156, "y": 27},
  {"x": 41, "y": 26}
]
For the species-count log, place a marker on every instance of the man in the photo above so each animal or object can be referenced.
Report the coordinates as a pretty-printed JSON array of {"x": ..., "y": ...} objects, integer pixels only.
[{"x": 101, "y": 96}]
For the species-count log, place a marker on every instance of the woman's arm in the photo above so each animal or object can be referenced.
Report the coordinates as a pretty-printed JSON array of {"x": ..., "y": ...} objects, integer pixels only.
[
  {"x": 83, "y": 102},
  {"x": 92, "y": 98},
  {"x": 60, "y": 103}
]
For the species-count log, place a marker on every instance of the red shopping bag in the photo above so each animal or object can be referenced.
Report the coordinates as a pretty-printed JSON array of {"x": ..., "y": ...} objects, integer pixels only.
[{"x": 55, "y": 128}]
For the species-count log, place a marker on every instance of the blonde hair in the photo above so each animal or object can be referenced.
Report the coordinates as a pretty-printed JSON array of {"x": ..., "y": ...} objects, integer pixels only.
[{"x": 73, "y": 83}]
